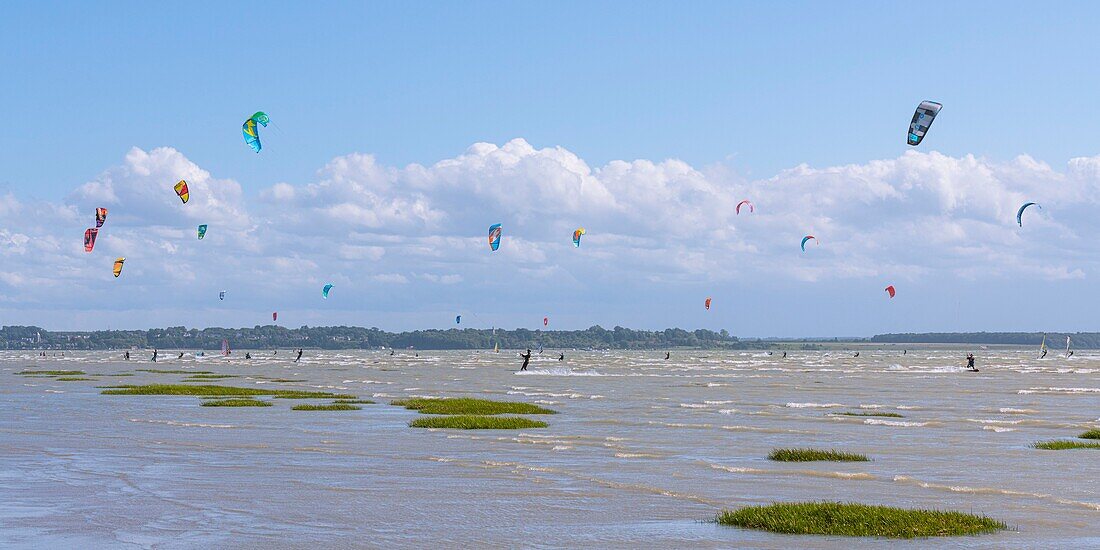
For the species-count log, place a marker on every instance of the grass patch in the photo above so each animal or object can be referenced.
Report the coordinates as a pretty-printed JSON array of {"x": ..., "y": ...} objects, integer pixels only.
[
  {"x": 470, "y": 406},
  {"x": 353, "y": 402},
  {"x": 1091, "y": 434},
  {"x": 71, "y": 378},
  {"x": 51, "y": 372},
  {"x": 811, "y": 455},
  {"x": 236, "y": 402},
  {"x": 1063, "y": 444},
  {"x": 886, "y": 415},
  {"x": 857, "y": 520},
  {"x": 474, "y": 422},
  {"x": 160, "y": 371},
  {"x": 330, "y": 407},
  {"x": 225, "y": 391}
]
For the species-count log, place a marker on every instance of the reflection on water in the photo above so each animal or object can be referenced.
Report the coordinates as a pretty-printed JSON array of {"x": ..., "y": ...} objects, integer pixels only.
[{"x": 643, "y": 452}]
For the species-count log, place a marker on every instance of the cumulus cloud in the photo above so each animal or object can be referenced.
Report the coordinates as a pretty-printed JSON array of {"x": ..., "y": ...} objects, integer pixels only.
[{"x": 650, "y": 223}]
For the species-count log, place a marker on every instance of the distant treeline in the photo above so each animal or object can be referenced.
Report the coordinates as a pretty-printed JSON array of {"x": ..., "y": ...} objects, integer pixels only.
[
  {"x": 271, "y": 336},
  {"x": 1054, "y": 339}
]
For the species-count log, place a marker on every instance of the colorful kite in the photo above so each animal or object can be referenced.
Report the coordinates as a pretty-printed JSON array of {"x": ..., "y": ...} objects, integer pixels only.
[
  {"x": 706, "y": 303},
  {"x": 181, "y": 190},
  {"x": 89, "y": 239},
  {"x": 118, "y": 266},
  {"x": 494, "y": 236},
  {"x": 742, "y": 203},
  {"x": 251, "y": 133},
  {"x": 806, "y": 238},
  {"x": 100, "y": 217},
  {"x": 890, "y": 290},
  {"x": 1020, "y": 212},
  {"x": 577, "y": 237},
  {"x": 202, "y": 231},
  {"x": 922, "y": 121},
  {"x": 324, "y": 291}
]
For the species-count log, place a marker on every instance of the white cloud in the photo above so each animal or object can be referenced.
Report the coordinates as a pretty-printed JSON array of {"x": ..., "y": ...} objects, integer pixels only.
[{"x": 650, "y": 224}]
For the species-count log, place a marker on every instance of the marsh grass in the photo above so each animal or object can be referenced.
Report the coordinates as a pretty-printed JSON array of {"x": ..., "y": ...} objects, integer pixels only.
[
  {"x": 235, "y": 402},
  {"x": 353, "y": 402},
  {"x": 224, "y": 391},
  {"x": 51, "y": 372},
  {"x": 882, "y": 414},
  {"x": 1091, "y": 434},
  {"x": 475, "y": 422},
  {"x": 1063, "y": 444},
  {"x": 812, "y": 455},
  {"x": 470, "y": 406},
  {"x": 71, "y": 378},
  {"x": 330, "y": 407},
  {"x": 857, "y": 520},
  {"x": 160, "y": 371}
]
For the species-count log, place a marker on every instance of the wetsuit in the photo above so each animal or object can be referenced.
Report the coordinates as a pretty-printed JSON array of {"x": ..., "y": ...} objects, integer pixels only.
[
  {"x": 127, "y": 356},
  {"x": 970, "y": 362},
  {"x": 247, "y": 355},
  {"x": 561, "y": 357},
  {"x": 181, "y": 355},
  {"x": 154, "y": 356},
  {"x": 667, "y": 354},
  {"x": 299, "y": 355},
  {"x": 526, "y": 359}
]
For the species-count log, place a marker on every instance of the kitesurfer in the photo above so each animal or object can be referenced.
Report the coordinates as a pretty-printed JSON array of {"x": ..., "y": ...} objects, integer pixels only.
[
  {"x": 247, "y": 355},
  {"x": 180, "y": 356},
  {"x": 392, "y": 352},
  {"x": 667, "y": 354},
  {"x": 127, "y": 356},
  {"x": 784, "y": 355},
  {"x": 526, "y": 359},
  {"x": 299, "y": 355},
  {"x": 154, "y": 355},
  {"x": 561, "y": 357},
  {"x": 970, "y": 362},
  {"x": 856, "y": 355}
]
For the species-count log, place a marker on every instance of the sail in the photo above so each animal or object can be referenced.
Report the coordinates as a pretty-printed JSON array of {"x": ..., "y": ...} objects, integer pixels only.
[
  {"x": 1067, "y": 347},
  {"x": 1043, "y": 347},
  {"x": 225, "y": 347}
]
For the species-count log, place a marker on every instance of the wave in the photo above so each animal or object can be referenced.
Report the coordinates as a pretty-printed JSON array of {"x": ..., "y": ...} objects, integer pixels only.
[
  {"x": 877, "y": 422},
  {"x": 805, "y": 473},
  {"x": 184, "y": 424},
  {"x": 813, "y": 405},
  {"x": 994, "y": 491},
  {"x": 557, "y": 372},
  {"x": 1067, "y": 391},
  {"x": 1010, "y": 410}
]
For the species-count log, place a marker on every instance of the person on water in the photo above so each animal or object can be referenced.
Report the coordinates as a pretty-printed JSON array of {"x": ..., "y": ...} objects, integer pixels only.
[
  {"x": 392, "y": 352},
  {"x": 1070, "y": 354},
  {"x": 784, "y": 355},
  {"x": 667, "y": 355},
  {"x": 127, "y": 356},
  {"x": 154, "y": 355},
  {"x": 1044, "y": 354},
  {"x": 180, "y": 356},
  {"x": 247, "y": 355},
  {"x": 970, "y": 362},
  {"x": 561, "y": 357},
  {"x": 299, "y": 355},
  {"x": 526, "y": 359},
  {"x": 856, "y": 355},
  {"x": 904, "y": 351}
]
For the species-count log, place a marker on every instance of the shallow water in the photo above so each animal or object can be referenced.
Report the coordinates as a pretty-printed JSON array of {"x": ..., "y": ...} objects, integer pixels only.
[{"x": 643, "y": 452}]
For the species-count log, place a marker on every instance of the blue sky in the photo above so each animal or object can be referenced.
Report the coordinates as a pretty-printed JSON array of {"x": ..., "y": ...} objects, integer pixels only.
[{"x": 706, "y": 103}]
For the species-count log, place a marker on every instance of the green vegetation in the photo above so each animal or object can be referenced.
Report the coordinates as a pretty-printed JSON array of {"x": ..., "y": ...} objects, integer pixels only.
[
  {"x": 1063, "y": 444},
  {"x": 227, "y": 391},
  {"x": 470, "y": 406},
  {"x": 473, "y": 422},
  {"x": 1091, "y": 434},
  {"x": 857, "y": 520},
  {"x": 159, "y": 371},
  {"x": 812, "y": 455},
  {"x": 331, "y": 407},
  {"x": 238, "y": 402},
  {"x": 51, "y": 372},
  {"x": 271, "y": 336},
  {"x": 71, "y": 378},
  {"x": 354, "y": 402}
]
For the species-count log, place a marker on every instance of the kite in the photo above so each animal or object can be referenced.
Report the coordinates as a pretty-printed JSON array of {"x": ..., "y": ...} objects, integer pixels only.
[
  {"x": 806, "y": 238},
  {"x": 275, "y": 316},
  {"x": 545, "y": 321},
  {"x": 100, "y": 217},
  {"x": 221, "y": 295},
  {"x": 324, "y": 291},
  {"x": 494, "y": 236},
  {"x": 202, "y": 231},
  {"x": 118, "y": 266},
  {"x": 706, "y": 303},
  {"x": 922, "y": 121},
  {"x": 458, "y": 319},
  {"x": 251, "y": 133},
  {"x": 89, "y": 239},
  {"x": 577, "y": 237},
  {"x": 1020, "y": 212},
  {"x": 744, "y": 202},
  {"x": 181, "y": 190},
  {"x": 890, "y": 290}
]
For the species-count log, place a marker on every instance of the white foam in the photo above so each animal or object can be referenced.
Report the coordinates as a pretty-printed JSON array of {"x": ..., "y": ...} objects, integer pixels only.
[
  {"x": 877, "y": 422},
  {"x": 813, "y": 405}
]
